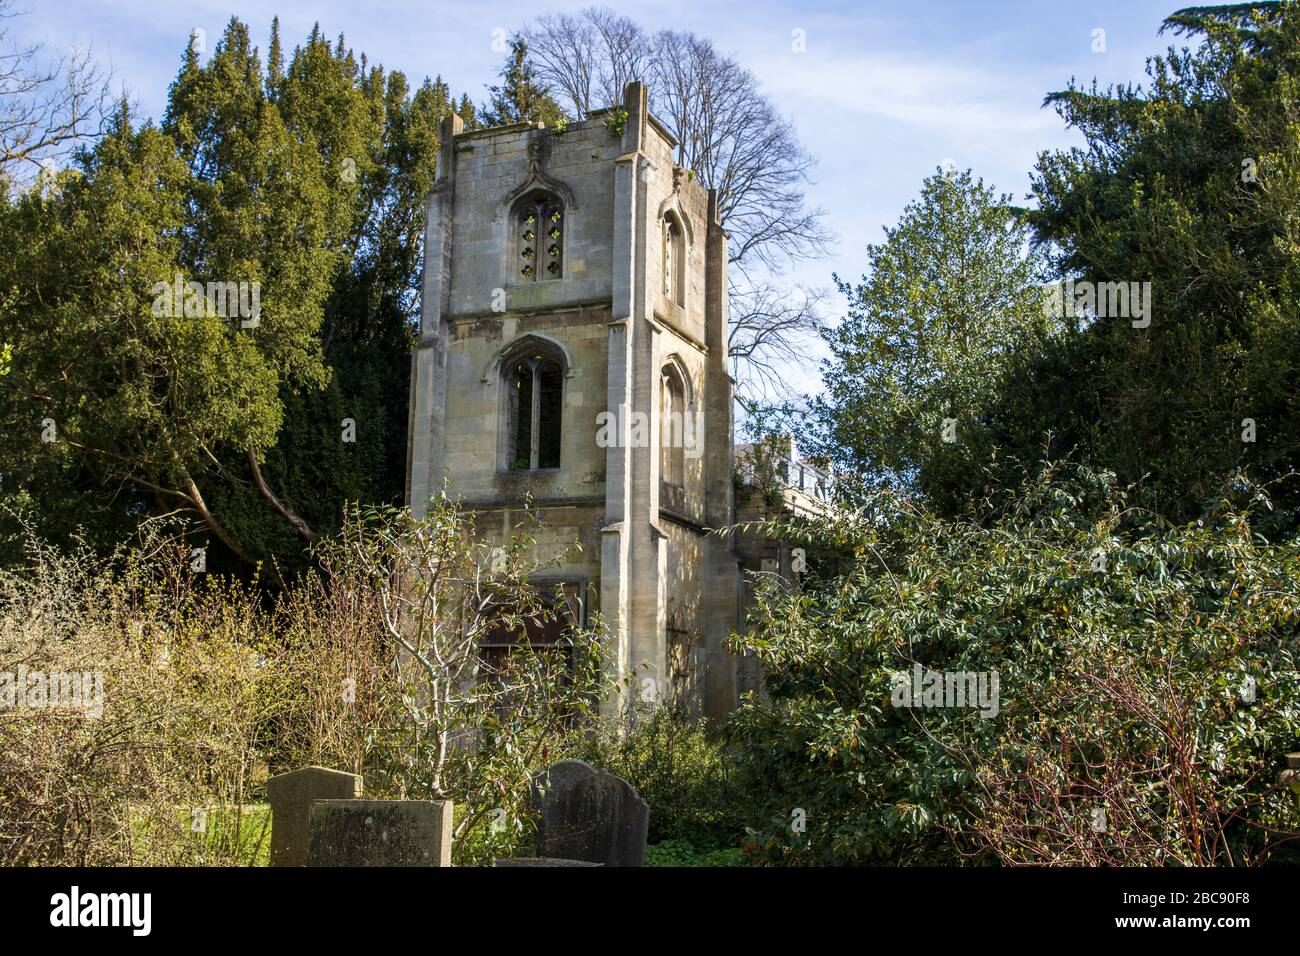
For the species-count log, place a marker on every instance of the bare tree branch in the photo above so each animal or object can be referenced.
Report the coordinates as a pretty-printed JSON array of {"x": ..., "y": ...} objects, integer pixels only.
[
  {"x": 299, "y": 525},
  {"x": 735, "y": 141},
  {"x": 49, "y": 103},
  {"x": 769, "y": 325}
]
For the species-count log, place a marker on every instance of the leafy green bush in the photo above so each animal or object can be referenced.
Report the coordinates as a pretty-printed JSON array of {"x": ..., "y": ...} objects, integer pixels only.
[
  {"x": 678, "y": 766},
  {"x": 684, "y": 853},
  {"x": 1148, "y": 686}
]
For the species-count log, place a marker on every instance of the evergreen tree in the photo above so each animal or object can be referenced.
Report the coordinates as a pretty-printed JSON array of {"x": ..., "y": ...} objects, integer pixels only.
[
  {"x": 309, "y": 181},
  {"x": 116, "y": 392},
  {"x": 468, "y": 112},
  {"x": 1191, "y": 184},
  {"x": 948, "y": 297},
  {"x": 274, "y": 59},
  {"x": 521, "y": 98}
]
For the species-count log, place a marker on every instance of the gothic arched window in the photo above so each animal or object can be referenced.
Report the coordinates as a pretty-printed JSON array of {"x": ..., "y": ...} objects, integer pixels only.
[
  {"x": 674, "y": 264},
  {"x": 539, "y": 235},
  {"x": 672, "y": 428},
  {"x": 534, "y": 404}
]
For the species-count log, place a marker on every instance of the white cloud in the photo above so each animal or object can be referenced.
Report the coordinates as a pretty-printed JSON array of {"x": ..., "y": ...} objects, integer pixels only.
[{"x": 985, "y": 111}]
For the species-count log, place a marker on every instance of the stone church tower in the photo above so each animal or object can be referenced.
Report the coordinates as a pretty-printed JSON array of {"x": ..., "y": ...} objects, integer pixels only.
[{"x": 573, "y": 348}]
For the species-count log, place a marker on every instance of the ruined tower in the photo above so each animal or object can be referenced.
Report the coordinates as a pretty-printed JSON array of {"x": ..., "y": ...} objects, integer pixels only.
[{"x": 573, "y": 348}]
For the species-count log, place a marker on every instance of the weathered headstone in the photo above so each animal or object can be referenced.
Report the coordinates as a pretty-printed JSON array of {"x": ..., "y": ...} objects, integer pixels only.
[
  {"x": 380, "y": 833},
  {"x": 291, "y": 795},
  {"x": 588, "y": 814}
]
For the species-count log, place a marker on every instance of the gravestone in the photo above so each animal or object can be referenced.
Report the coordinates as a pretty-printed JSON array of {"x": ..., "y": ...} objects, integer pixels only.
[
  {"x": 588, "y": 814},
  {"x": 380, "y": 833},
  {"x": 291, "y": 795}
]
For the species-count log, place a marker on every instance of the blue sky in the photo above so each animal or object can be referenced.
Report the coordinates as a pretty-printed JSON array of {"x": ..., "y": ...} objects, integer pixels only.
[{"x": 884, "y": 92}]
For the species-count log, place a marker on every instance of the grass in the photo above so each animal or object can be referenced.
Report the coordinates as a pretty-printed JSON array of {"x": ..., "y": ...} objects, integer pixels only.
[
  {"x": 230, "y": 836},
  {"x": 241, "y": 832}
]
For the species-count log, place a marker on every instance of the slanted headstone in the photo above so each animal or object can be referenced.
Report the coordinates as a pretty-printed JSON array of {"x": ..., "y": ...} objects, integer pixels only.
[
  {"x": 588, "y": 814},
  {"x": 291, "y": 795},
  {"x": 380, "y": 833}
]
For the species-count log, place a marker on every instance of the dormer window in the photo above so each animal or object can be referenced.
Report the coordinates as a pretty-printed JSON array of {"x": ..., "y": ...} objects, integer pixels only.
[
  {"x": 539, "y": 229},
  {"x": 674, "y": 261}
]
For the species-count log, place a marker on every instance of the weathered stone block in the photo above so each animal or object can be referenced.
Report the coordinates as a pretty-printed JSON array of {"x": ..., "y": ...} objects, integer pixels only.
[
  {"x": 291, "y": 795},
  {"x": 380, "y": 833},
  {"x": 588, "y": 814}
]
